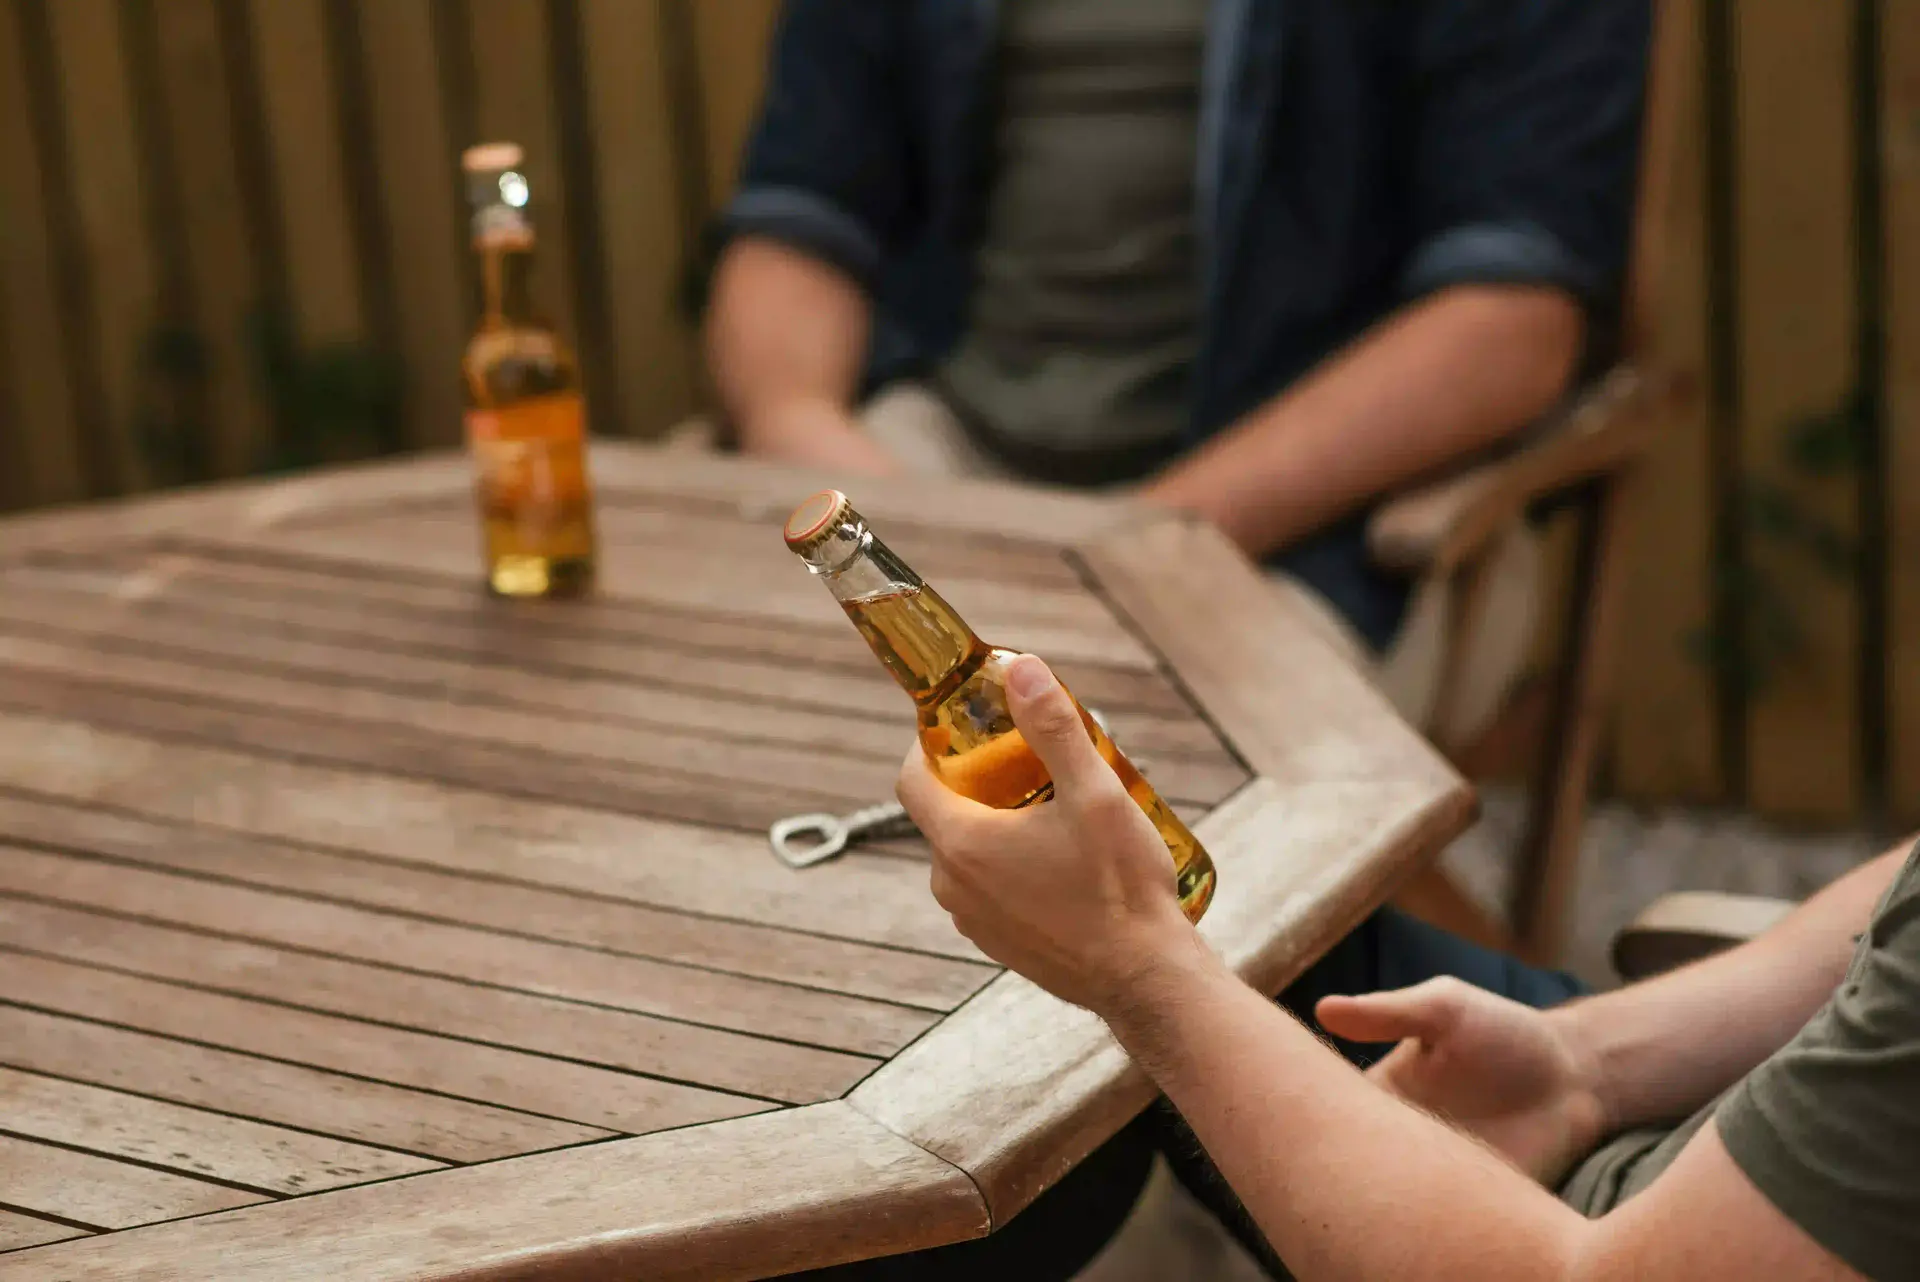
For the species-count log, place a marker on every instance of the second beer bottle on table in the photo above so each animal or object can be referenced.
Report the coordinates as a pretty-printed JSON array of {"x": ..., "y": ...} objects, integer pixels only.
[
  {"x": 526, "y": 418},
  {"x": 956, "y": 681}
]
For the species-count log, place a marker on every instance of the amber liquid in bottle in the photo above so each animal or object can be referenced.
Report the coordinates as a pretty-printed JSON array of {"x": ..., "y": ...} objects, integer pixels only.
[
  {"x": 526, "y": 417},
  {"x": 957, "y": 684}
]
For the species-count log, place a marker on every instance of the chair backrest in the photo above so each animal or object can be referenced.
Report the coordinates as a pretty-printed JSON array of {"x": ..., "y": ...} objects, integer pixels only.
[{"x": 1671, "y": 84}]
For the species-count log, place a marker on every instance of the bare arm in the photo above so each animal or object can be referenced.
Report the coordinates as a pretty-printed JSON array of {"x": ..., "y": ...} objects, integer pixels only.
[
  {"x": 1436, "y": 382},
  {"x": 1347, "y": 1180},
  {"x": 1651, "y": 1062},
  {"x": 786, "y": 337}
]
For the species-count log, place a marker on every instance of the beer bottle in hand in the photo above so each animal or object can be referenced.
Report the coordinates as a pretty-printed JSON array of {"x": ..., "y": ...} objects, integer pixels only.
[{"x": 956, "y": 682}]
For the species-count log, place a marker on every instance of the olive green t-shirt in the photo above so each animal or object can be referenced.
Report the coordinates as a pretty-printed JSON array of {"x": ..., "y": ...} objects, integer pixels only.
[
  {"x": 1828, "y": 1129},
  {"x": 1085, "y": 310}
]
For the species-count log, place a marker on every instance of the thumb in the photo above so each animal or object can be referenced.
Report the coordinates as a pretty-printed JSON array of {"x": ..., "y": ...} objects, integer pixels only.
[
  {"x": 1050, "y": 721},
  {"x": 1425, "y": 1011}
]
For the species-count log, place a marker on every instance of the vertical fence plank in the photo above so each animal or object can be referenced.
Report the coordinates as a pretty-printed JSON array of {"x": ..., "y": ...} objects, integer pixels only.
[
  {"x": 644, "y": 242},
  {"x": 109, "y": 196},
  {"x": 1798, "y": 360},
  {"x": 222, "y": 275},
  {"x": 42, "y": 431},
  {"x": 514, "y": 102},
  {"x": 1664, "y": 725},
  {"x": 732, "y": 40},
  {"x": 416, "y": 157},
  {"x": 1900, "y": 174},
  {"x": 323, "y": 273}
]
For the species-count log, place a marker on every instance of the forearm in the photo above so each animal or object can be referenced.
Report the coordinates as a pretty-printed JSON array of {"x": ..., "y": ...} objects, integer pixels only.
[
  {"x": 1666, "y": 1047},
  {"x": 1436, "y": 382},
  {"x": 1345, "y": 1180},
  {"x": 786, "y": 339}
]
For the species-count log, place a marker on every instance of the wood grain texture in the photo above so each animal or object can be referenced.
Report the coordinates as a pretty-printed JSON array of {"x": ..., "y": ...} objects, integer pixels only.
[
  {"x": 774, "y": 587},
  {"x": 103, "y": 154},
  {"x": 1664, "y": 718},
  {"x": 640, "y": 228},
  {"x": 1795, "y": 242},
  {"x": 20, "y": 1231},
  {"x": 1900, "y": 177},
  {"x": 190, "y": 1141},
  {"x": 798, "y": 1189},
  {"x": 170, "y": 606},
  {"x": 288, "y": 1094},
  {"x": 45, "y": 441},
  {"x": 666, "y": 865},
  {"x": 634, "y": 984},
  {"x": 411, "y": 753},
  {"x": 569, "y": 658},
  {"x": 1288, "y": 703},
  {"x": 1015, "y": 1087},
  {"x": 652, "y": 770},
  {"x": 99, "y": 1191},
  {"x": 596, "y": 1097},
  {"x": 764, "y": 492},
  {"x": 415, "y": 157},
  {"x": 890, "y": 975},
  {"x": 290, "y": 50},
  {"x": 491, "y": 1016},
  {"x": 225, "y": 280}
]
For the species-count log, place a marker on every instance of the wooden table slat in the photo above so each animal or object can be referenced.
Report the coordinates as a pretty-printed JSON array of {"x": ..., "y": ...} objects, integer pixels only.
[
  {"x": 305, "y": 588},
  {"x": 1293, "y": 708},
  {"x": 401, "y": 751},
  {"x": 101, "y": 1192},
  {"x": 701, "y": 776},
  {"x": 459, "y": 659},
  {"x": 707, "y": 1057},
  {"x": 20, "y": 1231},
  {"x": 310, "y": 1099},
  {"x": 1071, "y": 625},
  {"x": 558, "y": 970},
  {"x": 484, "y": 1074},
  {"x": 190, "y": 1141},
  {"x": 884, "y": 974},
  {"x": 766, "y": 492},
  {"x": 797, "y": 1189},
  {"x": 699, "y": 870}
]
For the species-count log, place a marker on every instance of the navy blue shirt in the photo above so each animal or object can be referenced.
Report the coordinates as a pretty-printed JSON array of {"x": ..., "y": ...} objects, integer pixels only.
[{"x": 1354, "y": 155}]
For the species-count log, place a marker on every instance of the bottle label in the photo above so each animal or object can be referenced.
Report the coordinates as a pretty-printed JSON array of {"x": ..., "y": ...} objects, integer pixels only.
[
  {"x": 559, "y": 417},
  {"x": 531, "y": 453}
]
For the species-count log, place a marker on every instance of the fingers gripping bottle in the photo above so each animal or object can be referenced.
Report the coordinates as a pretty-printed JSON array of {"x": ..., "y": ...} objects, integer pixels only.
[{"x": 956, "y": 682}]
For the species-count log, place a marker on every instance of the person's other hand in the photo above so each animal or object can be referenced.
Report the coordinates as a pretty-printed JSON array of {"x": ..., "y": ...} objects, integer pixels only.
[
  {"x": 1505, "y": 1073},
  {"x": 1077, "y": 893}
]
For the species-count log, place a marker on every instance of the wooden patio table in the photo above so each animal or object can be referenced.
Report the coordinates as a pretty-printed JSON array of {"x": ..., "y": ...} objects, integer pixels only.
[{"x": 354, "y": 925}]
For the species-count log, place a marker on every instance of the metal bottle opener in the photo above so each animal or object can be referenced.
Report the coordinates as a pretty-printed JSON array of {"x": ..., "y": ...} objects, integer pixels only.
[{"x": 801, "y": 841}]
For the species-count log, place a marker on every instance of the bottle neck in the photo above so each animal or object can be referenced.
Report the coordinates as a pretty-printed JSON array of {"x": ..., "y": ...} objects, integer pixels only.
[
  {"x": 506, "y": 281},
  {"x": 920, "y": 639}
]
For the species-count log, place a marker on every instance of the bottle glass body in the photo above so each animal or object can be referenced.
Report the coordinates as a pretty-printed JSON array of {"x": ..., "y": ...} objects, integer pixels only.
[
  {"x": 526, "y": 417},
  {"x": 957, "y": 683}
]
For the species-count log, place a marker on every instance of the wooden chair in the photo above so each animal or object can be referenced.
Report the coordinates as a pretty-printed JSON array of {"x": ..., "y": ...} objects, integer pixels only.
[
  {"x": 1680, "y": 928},
  {"x": 1585, "y": 460}
]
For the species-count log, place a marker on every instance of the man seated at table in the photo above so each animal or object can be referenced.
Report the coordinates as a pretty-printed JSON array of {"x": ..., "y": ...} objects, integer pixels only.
[
  {"x": 1756, "y": 1115},
  {"x": 1269, "y": 262}
]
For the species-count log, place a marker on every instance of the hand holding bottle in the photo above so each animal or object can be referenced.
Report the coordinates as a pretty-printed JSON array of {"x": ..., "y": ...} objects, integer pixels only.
[{"x": 1077, "y": 895}]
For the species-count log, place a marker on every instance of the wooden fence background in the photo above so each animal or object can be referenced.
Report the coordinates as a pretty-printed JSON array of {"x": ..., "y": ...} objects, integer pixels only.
[{"x": 231, "y": 237}]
